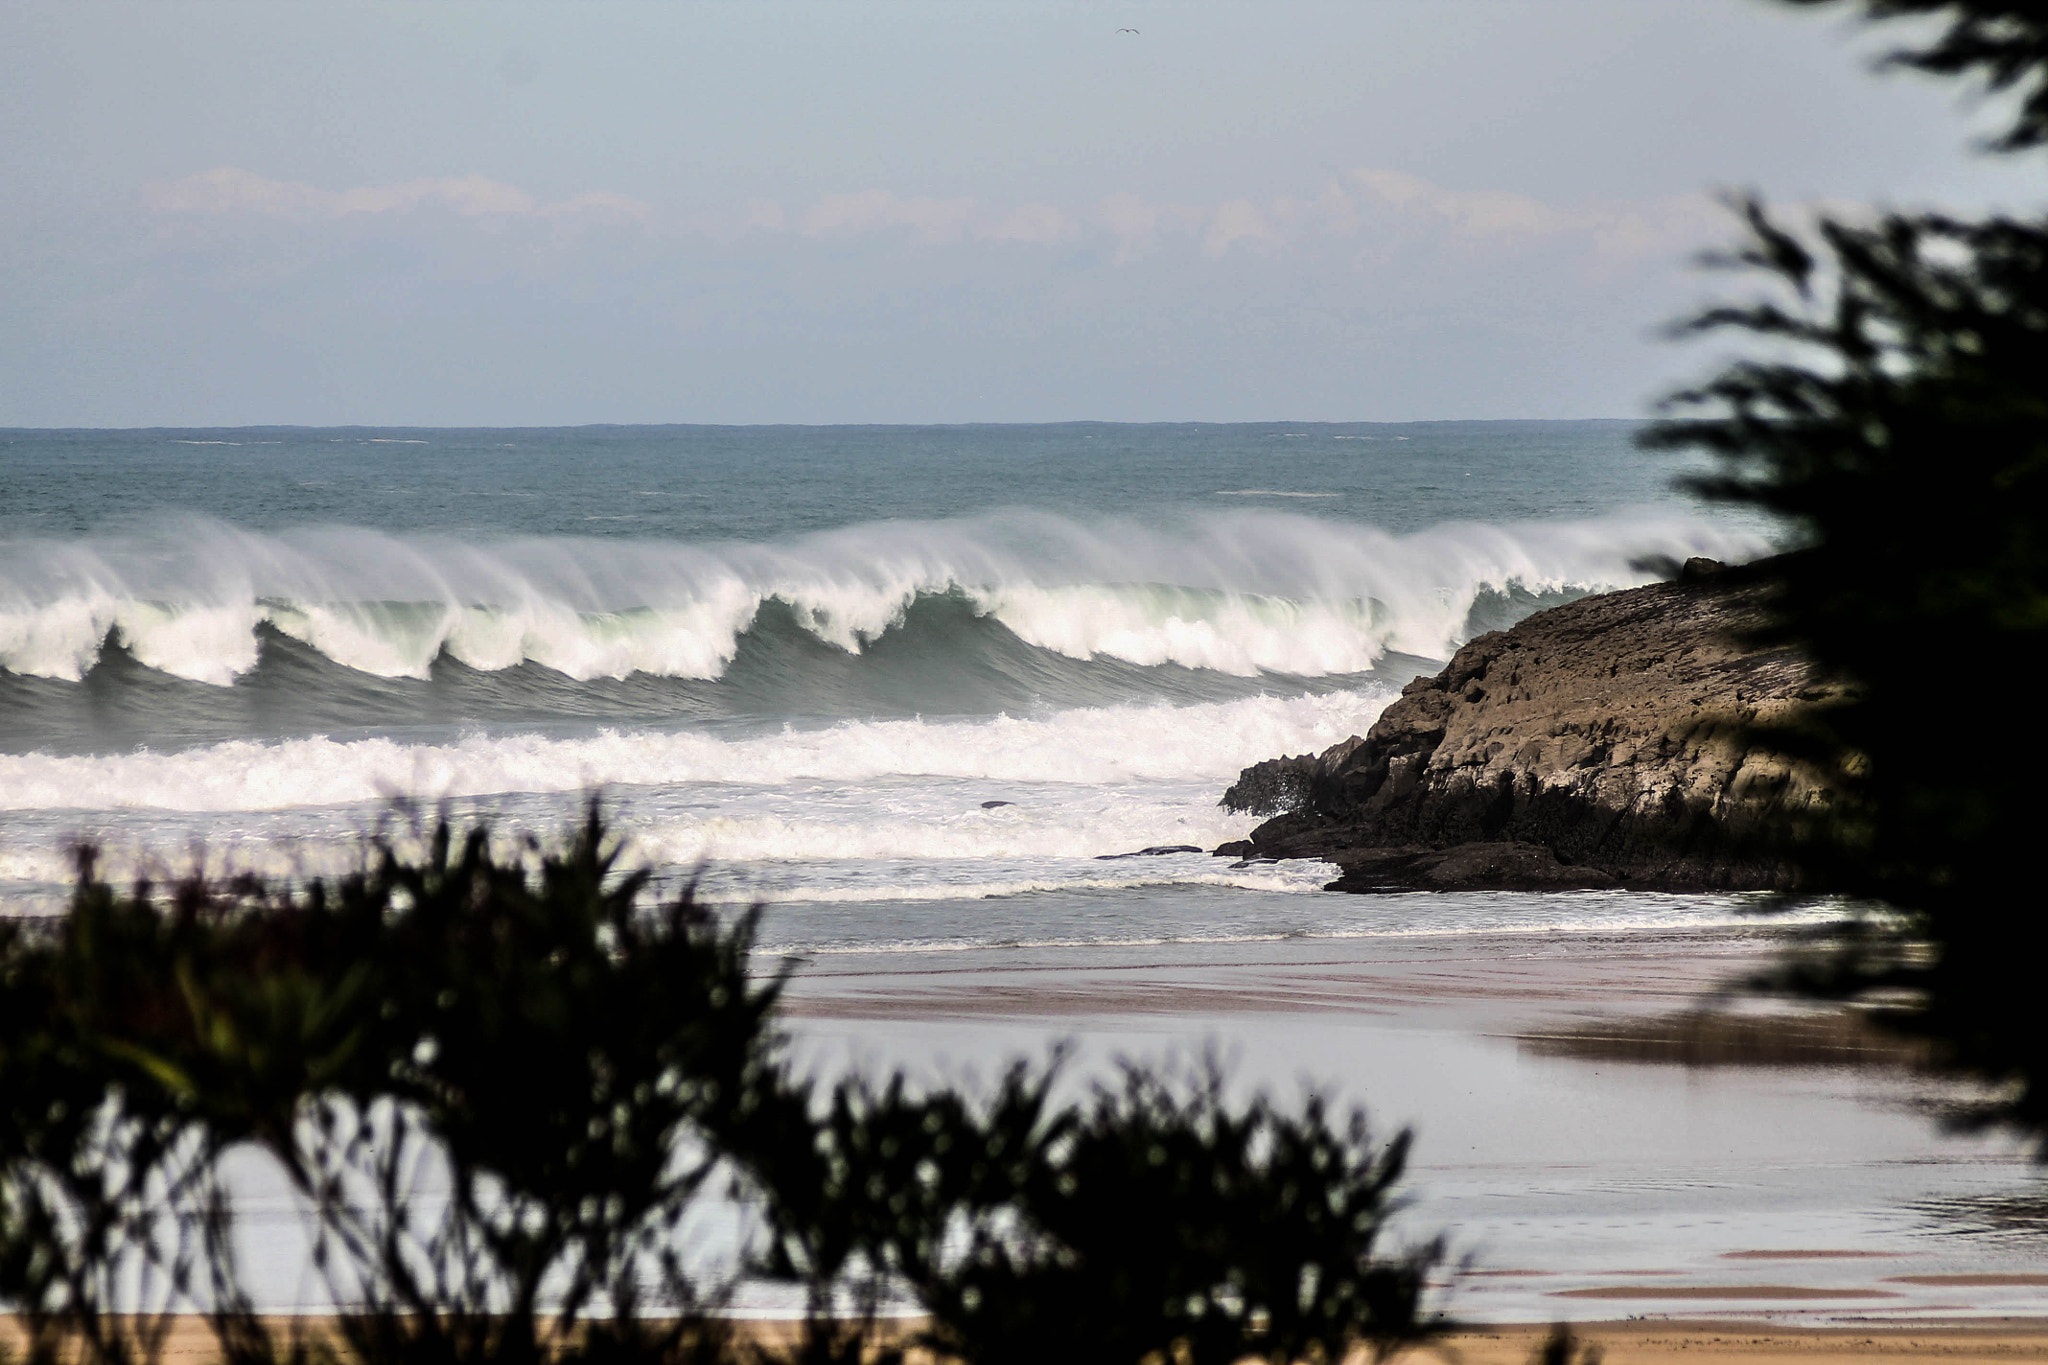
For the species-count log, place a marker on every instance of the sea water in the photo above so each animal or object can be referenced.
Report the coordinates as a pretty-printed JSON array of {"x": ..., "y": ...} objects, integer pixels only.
[
  {"x": 922, "y": 689},
  {"x": 914, "y": 686}
]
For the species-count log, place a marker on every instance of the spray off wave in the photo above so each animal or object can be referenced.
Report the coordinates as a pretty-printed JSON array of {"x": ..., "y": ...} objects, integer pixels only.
[{"x": 1241, "y": 593}]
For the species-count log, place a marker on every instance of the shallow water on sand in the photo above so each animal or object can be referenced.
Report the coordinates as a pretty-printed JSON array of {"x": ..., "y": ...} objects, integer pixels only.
[
  {"x": 1566, "y": 1189},
  {"x": 1578, "y": 1190},
  {"x": 918, "y": 689}
]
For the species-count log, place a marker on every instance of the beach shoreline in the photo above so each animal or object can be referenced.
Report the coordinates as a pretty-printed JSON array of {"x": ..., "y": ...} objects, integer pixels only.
[
  {"x": 1764, "y": 1173},
  {"x": 1731, "y": 1342},
  {"x": 1780, "y": 1167}
]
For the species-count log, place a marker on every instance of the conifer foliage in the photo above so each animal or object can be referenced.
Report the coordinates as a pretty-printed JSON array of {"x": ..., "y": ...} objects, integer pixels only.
[{"x": 1894, "y": 413}]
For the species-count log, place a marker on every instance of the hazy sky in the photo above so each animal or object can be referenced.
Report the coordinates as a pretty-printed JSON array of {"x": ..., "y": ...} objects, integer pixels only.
[{"x": 447, "y": 212}]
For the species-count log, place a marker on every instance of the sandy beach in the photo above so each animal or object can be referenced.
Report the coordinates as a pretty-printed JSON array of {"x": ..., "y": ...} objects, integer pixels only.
[
  {"x": 1770, "y": 1186},
  {"x": 1621, "y": 1343},
  {"x": 1802, "y": 1201},
  {"x": 1628, "y": 1343}
]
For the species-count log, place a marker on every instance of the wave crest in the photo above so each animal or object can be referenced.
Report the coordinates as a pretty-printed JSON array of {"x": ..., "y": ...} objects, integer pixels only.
[{"x": 1243, "y": 593}]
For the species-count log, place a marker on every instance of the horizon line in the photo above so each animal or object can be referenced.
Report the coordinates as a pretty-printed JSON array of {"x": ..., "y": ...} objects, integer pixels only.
[{"x": 657, "y": 426}]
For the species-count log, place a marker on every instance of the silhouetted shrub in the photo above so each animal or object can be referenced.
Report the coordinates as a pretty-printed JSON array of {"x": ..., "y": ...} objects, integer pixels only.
[
  {"x": 1154, "y": 1218},
  {"x": 1896, "y": 417},
  {"x": 555, "y": 1060},
  {"x": 500, "y": 1084}
]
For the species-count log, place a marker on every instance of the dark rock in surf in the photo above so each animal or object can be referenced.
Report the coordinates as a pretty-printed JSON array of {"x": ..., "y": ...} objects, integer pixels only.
[
  {"x": 1153, "y": 852},
  {"x": 1603, "y": 743},
  {"x": 991, "y": 805},
  {"x": 1510, "y": 866},
  {"x": 1279, "y": 785}
]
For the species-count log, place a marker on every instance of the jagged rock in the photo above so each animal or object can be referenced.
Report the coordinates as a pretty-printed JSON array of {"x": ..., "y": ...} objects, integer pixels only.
[
  {"x": 1279, "y": 785},
  {"x": 1273, "y": 786},
  {"x": 1600, "y": 743}
]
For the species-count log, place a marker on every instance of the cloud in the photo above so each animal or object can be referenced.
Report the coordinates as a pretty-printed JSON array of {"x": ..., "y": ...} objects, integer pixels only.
[
  {"x": 764, "y": 214},
  {"x": 1616, "y": 232},
  {"x": 1379, "y": 210},
  {"x": 1135, "y": 222},
  {"x": 930, "y": 220},
  {"x": 1482, "y": 213},
  {"x": 1235, "y": 220},
  {"x": 1040, "y": 224},
  {"x": 1382, "y": 208},
  {"x": 228, "y": 189}
]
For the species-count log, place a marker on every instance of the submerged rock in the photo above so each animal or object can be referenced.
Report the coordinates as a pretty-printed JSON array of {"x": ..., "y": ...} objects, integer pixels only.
[
  {"x": 1602, "y": 743},
  {"x": 1153, "y": 852}
]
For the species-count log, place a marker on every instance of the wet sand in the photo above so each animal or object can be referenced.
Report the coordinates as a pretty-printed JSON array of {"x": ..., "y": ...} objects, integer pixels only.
[
  {"x": 1804, "y": 1185},
  {"x": 1621, "y": 1343},
  {"x": 1738, "y": 1212},
  {"x": 1626, "y": 1343}
]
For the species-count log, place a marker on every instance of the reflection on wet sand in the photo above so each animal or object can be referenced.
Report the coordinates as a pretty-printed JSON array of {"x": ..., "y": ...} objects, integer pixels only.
[{"x": 1595, "y": 1128}]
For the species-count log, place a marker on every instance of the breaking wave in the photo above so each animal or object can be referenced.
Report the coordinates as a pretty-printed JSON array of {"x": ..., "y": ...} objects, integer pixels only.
[{"x": 1243, "y": 593}]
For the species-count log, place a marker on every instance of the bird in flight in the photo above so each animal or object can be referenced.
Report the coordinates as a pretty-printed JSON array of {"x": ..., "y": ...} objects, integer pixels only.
[{"x": 1127, "y": 30}]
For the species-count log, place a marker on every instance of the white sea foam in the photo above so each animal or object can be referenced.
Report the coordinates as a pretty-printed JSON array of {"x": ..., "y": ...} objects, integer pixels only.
[
  {"x": 762, "y": 860},
  {"x": 1291, "y": 877},
  {"x": 1103, "y": 827},
  {"x": 1091, "y": 746},
  {"x": 1244, "y": 592},
  {"x": 1537, "y": 918},
  {"x": 856, "y": 813}
]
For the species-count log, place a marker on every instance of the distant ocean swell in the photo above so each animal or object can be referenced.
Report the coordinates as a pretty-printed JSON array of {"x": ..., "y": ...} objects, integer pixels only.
[{"x": 1243, "y": 593}]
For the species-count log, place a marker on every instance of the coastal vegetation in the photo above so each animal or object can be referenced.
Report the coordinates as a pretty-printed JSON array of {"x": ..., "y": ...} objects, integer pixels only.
[
  {"x": 1893, "y": 413},
  {"x": 513, "y": 1094},
  {"x": 1790, "y": 725},
  {"x": 509, "y": 1090}
]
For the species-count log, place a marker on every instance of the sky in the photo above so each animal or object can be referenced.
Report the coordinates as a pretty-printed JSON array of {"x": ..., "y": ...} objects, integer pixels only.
[{"x": 493, "y": 212}]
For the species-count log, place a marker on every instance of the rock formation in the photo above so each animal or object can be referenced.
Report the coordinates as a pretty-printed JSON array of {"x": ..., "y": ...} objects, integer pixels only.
[{"x": 1603, "y": 743}]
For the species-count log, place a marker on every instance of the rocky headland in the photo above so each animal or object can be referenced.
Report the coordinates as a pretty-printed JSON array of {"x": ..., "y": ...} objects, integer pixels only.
[{"x": 1608, "y": 742}]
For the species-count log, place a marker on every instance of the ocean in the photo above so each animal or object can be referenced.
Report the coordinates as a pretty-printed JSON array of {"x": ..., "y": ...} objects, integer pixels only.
[
  {"x": 918, "y": 687},
  {"x": 929, "y": 693}
]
